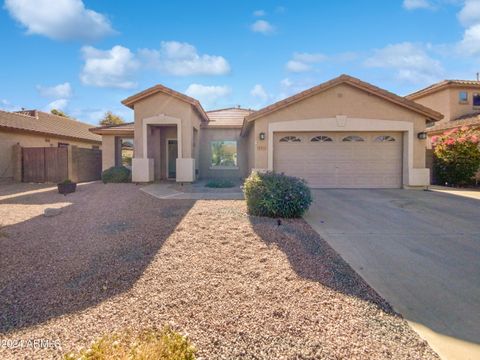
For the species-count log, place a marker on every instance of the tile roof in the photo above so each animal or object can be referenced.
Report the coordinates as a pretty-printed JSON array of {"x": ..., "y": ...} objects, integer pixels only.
[
  {"x": 434, "y": 115},
  {"x": 127, "y": 128},
  {"x": 35, "y": 121},
  {"x": 464, "y": 120},
  {"x": 230, "y": 117},
  {"x": 442, "y": 85},
  {"x": 130, "y": 101}
]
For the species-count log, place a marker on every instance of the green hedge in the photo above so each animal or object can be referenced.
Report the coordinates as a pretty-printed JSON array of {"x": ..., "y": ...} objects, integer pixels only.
[
  {"x": 117, "y": 174},
  {"x": 276, "y": 195}
]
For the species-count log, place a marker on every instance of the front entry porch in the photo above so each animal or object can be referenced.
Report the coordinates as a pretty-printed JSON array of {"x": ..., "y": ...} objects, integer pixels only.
[{"x": 164, "y": 156}]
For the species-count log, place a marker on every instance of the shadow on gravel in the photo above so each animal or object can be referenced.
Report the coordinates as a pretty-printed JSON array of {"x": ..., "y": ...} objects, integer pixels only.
[
  {"x": 313, "y": 259},
  {"x": 96, "y": 248}
]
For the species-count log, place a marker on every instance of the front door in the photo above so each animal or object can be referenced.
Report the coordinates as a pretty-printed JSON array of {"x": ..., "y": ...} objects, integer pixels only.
[{"x": 172, "y": 154}]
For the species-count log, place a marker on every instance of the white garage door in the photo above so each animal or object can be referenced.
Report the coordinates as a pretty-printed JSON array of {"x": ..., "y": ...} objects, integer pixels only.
[{"x": 341, "y": 159}]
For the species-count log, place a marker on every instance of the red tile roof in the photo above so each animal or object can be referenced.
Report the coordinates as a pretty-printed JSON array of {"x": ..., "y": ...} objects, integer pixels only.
[
  {"x": 39, "y": 122},
  {"x": 443, "y": 85},
  {"x": 465, "y": 120},
  {"x": 227, "y": 118}
]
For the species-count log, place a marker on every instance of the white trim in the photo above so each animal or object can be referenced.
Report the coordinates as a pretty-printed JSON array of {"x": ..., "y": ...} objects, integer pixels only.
[
  {"x": 166, "y": 165},
  {"x": 342, "y": 123}
]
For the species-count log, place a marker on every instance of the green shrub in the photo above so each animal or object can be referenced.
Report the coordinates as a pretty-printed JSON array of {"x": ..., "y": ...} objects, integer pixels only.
[
  {"x": 457, "y": 156},
  {"x": 220, "y": 183},
  {"x": 276, "y": 195},
  {"x": 116, "y": 174},
  {"x": 149, "y": 345},
  {"x": 66, "y": 181}
]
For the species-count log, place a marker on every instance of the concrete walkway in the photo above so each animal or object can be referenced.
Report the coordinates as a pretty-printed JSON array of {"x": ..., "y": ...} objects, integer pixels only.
[
  {"x": 191, "y": 192},
  {"x": 469, "y": 193},
  {"x": 420, "y": 250}
]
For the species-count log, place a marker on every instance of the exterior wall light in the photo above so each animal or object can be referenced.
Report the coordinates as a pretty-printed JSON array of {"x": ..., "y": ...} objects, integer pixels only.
[
  {"x": 261, "y": 136},
  {"x": 422, "y": 135}
]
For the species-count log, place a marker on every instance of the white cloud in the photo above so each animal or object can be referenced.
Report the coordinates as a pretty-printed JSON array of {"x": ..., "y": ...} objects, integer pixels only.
[
  {"x": 59, "y": 104},
  {"x": 59, "y": 20},
  {"x": 263, "y": 27},
  {"x": 6, "y": 105},
  {"x": 417, "y": 4},
  {"x": 301, "y": 62},
  {"x": 57, "y": 91},
  {"x": 470, "y": 13},
  {"x": 259, "y": 13},
  {"x": 258, "y": 91},
  {"x": 182, "y": 59},
  {"x": 470, "y": 44},
  {"x": 410, "y": 62},
  {"x": 207, "y": 94},
  {"x": 297, "y": 66},
  {"x": 109, "y": 68}
]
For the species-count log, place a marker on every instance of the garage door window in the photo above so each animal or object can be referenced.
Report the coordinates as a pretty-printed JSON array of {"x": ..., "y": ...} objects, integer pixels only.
[
  {"x": 384, "y": 138},
  {"x": 353, "y": 138},
  {"x": 321, "y": 138},
  {"x": 290, "y": 139}
]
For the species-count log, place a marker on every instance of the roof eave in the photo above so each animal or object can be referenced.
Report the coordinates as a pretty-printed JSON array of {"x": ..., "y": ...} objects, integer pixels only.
[{"x": 44, "y": 133}]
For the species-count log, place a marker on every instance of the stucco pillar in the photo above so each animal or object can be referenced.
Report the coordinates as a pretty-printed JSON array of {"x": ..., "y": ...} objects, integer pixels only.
[{"x": 17, "y": 162}]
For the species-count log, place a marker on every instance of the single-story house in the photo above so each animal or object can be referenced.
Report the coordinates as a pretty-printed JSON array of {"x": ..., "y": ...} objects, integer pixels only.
[
  {"x": 344, "y": 133},
  {"x": 34, "y": 128}
]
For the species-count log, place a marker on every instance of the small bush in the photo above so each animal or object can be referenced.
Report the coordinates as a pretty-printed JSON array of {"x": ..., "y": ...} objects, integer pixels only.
[
  {"x": 116, "y": 174},
  {"x": 457, "y": 155},
  {"x": 149, "y": 345},
  {"x": 276, "y": 195},
  {"x": 220, "y": 183}
]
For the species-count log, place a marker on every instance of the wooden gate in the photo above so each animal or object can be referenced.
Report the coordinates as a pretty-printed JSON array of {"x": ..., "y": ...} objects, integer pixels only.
[{"x": 44, "y": 164}]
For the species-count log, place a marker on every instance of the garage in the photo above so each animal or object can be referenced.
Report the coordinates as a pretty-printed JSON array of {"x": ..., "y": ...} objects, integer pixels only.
[{"x": 341, "y": 159}]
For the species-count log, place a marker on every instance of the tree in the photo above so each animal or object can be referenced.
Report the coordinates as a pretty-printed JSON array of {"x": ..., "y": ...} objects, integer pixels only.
[
  {"x": 59, "y": 113},
  {"x": 111, "y": 119},
  {"x": 457, "y": 155}
]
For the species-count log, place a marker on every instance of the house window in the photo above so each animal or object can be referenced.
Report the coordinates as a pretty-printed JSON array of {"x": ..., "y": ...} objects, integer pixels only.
[
  {"x": 384, "y": 138},
  {"x": 127, "y": 152},
  {"x": 463, "y": 97},
  {"x": 290, "y": 139},
  {"x": 321, "y": 138},
  {"x": 62, "y": 145},
  {"x": 353, "y": 138},
  {"x": 224, "y": 154},
  {"x": 476, "y": 99}
]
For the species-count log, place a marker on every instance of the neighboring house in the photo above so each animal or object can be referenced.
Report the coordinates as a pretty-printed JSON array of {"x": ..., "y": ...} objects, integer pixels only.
[
  {"x": 344, "y": 133},
  {"x": 457, "y": 100},
  {"x": 33, "y": 128}
]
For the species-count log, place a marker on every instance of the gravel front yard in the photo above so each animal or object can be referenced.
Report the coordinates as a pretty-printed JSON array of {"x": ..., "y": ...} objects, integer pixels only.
[{"x": 240, "y": 287}]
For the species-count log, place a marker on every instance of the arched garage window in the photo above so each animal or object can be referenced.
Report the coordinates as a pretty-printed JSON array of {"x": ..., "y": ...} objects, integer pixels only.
[
  {"x": 290, "y": 139},
  {"x": 321, "y": 138},
  {"x": 384, "y": 138},
  {"x": 353, "y": 138}
]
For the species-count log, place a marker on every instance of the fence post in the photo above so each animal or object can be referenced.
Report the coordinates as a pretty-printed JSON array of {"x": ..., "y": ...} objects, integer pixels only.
[
  {"x": 72, "y": 163},
  {"x": 17, "y": 162}
]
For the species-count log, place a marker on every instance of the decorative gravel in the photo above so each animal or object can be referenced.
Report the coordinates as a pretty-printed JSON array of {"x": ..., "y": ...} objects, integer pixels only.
[{"x": 240, "y": 287}]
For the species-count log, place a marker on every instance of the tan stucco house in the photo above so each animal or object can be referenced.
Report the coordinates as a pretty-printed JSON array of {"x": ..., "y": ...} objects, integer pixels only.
[
  {"x": 457, "y": 100},
  {"x": 34, "y": 128},
  {"x": 344, "y": 133}
]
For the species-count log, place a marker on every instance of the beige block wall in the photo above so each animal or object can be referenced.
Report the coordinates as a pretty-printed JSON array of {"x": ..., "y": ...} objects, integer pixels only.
[
  {"x": 341, "y": 100},
  {"x": 165, "y": 104},
  {"x": 8, "y": 139},
  {"x": 208, "y": 135}
]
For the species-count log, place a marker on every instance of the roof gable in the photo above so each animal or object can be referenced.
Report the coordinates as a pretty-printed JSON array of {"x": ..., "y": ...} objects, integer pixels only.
[
  {"x": 443, "y": 85},
  {"x": 130, "y": 101},
  {"x": 346, "y": 79}
]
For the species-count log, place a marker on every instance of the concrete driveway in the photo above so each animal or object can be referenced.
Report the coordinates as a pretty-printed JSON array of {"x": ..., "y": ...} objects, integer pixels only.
[{"x": 420, "y": 250}]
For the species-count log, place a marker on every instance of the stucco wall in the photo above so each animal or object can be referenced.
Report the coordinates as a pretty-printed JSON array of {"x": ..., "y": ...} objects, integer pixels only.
[
  {"x": 8, "y": 139},
  {"x": 207, "y": 135},
  {"x": 157, "y": 148},
  {"x": 341, "y": 100},
  {"x": 164, "y": 104},
  {"x": 108, "y": 151},
  {"x": 439, "y": 101}
]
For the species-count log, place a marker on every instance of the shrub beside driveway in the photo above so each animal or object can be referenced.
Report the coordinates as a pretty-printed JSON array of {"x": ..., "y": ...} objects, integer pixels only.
[{"x": 239, "y": 286}]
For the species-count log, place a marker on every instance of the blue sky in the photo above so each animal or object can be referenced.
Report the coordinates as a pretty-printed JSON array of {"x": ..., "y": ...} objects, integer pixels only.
[{"x": 86, "y": 56}]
